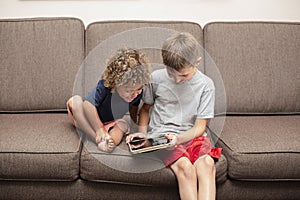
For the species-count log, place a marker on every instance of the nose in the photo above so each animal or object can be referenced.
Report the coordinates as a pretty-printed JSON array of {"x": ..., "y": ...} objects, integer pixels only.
[{"x": 136, "y": 93}]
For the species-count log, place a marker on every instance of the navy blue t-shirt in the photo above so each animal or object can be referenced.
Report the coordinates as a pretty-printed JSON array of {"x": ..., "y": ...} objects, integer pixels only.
[{"x": 110, "y": 106}]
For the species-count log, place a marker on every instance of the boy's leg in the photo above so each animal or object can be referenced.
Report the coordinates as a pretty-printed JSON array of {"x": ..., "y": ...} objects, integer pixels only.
[
  {"x": 120, "y": 128},
  {"x": 186, "y": 176},
  {"x": 77, "y": 117},
  {"x": 206, "y": 172},
  {"x": 117, "y": 129}
]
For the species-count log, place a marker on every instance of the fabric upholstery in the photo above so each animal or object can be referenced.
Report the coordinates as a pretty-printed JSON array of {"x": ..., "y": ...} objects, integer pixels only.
[
  {"x": 274, "y": 190},
  {"x": 38, "y": 147},
  {"x": 104, "y": 38},
  {"x": 39, "y": 59},
  {"x": 259, "y": 64},
  {"x": 42, "y": 156},
  {"x": 262, "y": 148},
  {"x": 81, "y": 189},
  {"x": 137, "y": 169}
]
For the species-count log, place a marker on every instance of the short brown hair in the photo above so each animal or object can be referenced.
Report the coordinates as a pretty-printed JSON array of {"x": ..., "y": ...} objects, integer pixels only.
[
  {"x": 180, "y": 50},
  {"x": 124, "y": 66}
]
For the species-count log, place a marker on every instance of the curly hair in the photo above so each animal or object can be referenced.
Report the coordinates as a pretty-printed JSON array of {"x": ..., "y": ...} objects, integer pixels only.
[{"x": 126, "y": 65}]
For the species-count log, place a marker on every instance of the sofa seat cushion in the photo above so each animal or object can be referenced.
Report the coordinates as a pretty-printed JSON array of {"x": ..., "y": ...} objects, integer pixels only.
[
  {"x": 262, "y": 147},
  {"x": 140, "y": 169},
  {"x": 38, "y": 147}
]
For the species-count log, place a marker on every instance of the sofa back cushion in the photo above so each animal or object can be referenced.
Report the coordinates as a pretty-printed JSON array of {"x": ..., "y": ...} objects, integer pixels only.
[
  {"x": 39, "y": 59},
  {"x": 103, "y": 38},
  {"x": 259, "y": 63}
]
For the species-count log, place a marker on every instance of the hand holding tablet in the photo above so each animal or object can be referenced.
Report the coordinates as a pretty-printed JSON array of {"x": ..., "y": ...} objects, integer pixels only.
[{"x": 139, "y": 143}]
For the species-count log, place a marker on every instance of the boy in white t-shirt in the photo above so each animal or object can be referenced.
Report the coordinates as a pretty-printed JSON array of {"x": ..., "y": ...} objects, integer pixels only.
[{"x": 181, "y": 101}]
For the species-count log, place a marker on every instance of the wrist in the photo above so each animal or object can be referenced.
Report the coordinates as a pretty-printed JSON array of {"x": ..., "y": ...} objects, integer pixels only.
[
  {"x": 178, "y": 139},
  {"x": 142, "y": 129}
]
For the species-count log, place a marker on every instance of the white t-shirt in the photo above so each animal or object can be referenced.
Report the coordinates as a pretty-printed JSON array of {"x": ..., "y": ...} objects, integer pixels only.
[{"x": 177, "y": 106}]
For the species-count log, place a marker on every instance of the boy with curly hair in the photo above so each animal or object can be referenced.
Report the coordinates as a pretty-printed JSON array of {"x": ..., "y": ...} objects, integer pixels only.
[
  {"x": 181, "y": 101},
  {"x": 119, "y": 91}
]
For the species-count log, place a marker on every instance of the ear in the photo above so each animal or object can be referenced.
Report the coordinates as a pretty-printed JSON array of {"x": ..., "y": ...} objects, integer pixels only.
[{"x": 198, "y": 61}]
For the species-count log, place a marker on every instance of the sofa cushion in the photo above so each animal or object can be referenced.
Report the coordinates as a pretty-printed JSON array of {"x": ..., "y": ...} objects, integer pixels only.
[
  {"x": 81, "y": 189},
  {"x": 272, "y": 190},
  {"x": 39, "y": 59},
  {"x": 104, "y": 38},
  {"x": 262, "y": 147},
  {"x": 38, "y": 147},
  {"x": 259, "y": 64},
  {"x": 122, "y": 167}
]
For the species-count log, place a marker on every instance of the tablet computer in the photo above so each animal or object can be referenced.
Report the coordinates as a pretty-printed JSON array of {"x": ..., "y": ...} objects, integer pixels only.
[{"x": 156, "y": 144}]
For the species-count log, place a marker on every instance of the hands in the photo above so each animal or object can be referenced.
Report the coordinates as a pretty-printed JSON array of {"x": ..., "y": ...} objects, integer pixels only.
[
  {"x": 137, "y": 140},
  {"x": 173, "y": 140}
]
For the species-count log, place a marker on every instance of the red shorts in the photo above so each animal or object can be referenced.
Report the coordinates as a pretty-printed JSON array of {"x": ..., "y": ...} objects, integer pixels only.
[
  {"x": 125, "y": 128},
  {"x": 192, "y": 150}
]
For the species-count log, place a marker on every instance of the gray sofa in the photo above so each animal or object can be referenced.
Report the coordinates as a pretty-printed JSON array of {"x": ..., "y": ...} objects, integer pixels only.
[{"x": 42, "y": 156}]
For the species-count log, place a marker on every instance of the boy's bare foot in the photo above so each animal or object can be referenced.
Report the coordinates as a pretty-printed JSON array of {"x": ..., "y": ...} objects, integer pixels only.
[{"x": 106, "y": 145}]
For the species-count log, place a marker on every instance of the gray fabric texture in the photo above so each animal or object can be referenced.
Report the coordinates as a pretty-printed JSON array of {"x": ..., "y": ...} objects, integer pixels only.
[
  {"x": 39, "y": 59},
  {"x": 80, "y": 189},
  {"x": 104, "y": 38},
  {"x": 38, "y": 147},
  {"x": 258, "y": 190},
  {"x": 259, "y": 64},
  {"x": 122, "y": 167},
  {"x": 40, "y": 155},
  {"x": 262, "y": 147}
]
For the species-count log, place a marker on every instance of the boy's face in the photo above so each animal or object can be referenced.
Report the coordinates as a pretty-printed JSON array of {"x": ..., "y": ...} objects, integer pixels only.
[
  {"x": 129, "y": 91},
  {"x": 182, "y": 75}
]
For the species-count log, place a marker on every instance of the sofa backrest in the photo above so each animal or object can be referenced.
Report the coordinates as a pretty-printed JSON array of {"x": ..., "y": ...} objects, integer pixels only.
[
  {"x": 39, "y": 59},
  {"x": 103, "y": 38},
  {"x": 259, "y": 63}
]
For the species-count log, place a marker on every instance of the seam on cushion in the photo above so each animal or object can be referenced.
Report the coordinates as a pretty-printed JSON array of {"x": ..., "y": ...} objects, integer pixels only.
[
  {"x": 261, "y": 113},
  {"x": 33, "y": 111},
  {"x": 268, "y": 152},
  {"x": 249, "y": 22},
  {"x": 266, "y": 180},
  {"x": 142, "y": 22},
  {"x": 38, "y": 152},
  {"x": 42, "y": 179},
  {"x": 42, "y": 19},
  {"x": 129, "y": 155}
]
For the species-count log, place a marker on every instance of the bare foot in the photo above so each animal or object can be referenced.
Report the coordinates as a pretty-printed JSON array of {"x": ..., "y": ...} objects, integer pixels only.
[{"x": 107, "y": 145}]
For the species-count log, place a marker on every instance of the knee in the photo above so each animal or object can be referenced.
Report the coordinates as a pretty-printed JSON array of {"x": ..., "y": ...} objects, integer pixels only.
[
  {"x": 184, "y": 169},
  {"x": 123, "y": 126},
  {"x": 75, "y": 103},
  {"x": 205, "y": 165}
]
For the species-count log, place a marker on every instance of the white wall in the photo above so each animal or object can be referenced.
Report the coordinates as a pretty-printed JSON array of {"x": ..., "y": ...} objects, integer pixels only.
[{"x": 200, "y": 11}]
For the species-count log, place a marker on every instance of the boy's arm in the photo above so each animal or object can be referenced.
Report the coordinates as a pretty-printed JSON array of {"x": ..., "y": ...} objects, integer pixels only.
[
  {"x": 144, "y": 118},
  {"x": 143, "y": 121},
  {"x": 134, "y": 113},
  {"x": 197, "y": 130}
]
